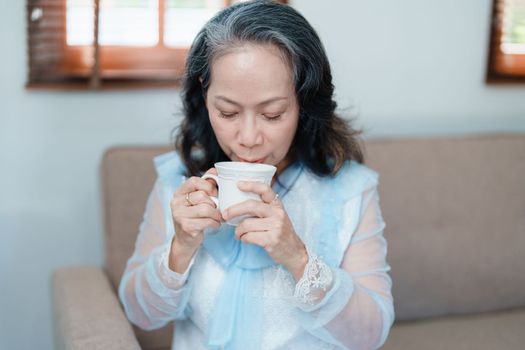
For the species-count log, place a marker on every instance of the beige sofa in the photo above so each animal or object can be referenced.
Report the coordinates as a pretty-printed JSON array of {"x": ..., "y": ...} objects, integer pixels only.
[{"x": 455, "y": 214}]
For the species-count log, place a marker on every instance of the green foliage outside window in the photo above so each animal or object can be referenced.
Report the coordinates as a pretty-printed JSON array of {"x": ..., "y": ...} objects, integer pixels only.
[{"x": 515, "y": 32}]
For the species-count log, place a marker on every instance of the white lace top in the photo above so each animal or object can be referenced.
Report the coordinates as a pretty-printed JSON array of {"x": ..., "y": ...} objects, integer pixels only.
[{"x": 347, "y": 306}]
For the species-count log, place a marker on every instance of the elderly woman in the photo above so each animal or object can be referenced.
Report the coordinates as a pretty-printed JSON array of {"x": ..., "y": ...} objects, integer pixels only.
[{"x": 307, "y": 269}]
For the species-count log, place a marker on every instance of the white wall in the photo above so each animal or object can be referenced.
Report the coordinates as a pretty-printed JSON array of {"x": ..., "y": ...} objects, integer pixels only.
[
  {"x": 416, "y": 67},
  {"x": 411, "y": 68}
]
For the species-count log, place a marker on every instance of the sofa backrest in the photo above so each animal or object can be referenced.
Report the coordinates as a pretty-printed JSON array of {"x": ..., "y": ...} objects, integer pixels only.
[
  {"x": 128, "y": 175},
  {"x": 455, "y": 222},
  {"x": 454, "y": 210}
]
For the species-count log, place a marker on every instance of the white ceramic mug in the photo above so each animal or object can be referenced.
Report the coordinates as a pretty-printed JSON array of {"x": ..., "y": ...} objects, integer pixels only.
[{"x": 229, "y": 173}]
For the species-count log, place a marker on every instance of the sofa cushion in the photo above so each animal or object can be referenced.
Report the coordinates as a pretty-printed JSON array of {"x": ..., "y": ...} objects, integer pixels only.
[{"x": 500, "y": 330}]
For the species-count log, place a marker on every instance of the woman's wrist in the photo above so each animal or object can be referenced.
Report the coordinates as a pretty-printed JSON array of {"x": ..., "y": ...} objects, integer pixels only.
[
  {"x": 180, "y": 256},
  {"x": 297, "y": 265}
]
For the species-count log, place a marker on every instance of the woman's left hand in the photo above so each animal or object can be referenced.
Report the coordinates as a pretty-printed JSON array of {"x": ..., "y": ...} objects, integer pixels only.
[{"x": 269, "y": 227}]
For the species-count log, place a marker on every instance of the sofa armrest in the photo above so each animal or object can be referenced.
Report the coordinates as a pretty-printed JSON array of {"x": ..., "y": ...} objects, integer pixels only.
[{"x": 87, "y": 313}]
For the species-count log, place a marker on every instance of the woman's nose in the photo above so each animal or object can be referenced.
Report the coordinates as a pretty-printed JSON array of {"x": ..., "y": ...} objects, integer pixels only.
[{"x": 249, "y": 132}]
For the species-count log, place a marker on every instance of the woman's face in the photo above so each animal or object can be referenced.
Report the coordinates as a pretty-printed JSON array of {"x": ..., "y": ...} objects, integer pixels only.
[{"x": 252, "y": 105}]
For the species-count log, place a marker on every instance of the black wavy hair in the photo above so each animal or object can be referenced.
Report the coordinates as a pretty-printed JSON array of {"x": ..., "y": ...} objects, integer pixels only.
[{"x": 323, "y": 140}]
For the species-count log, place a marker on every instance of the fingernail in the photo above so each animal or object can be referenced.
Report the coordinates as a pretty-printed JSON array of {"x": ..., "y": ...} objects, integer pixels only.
[{"x": 225, "y": 214}]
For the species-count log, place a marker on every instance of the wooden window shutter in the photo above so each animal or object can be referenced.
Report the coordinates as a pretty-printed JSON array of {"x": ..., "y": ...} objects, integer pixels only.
[
  {"x": 46, "y": 36},
  {"x": 506, "y": 61}
]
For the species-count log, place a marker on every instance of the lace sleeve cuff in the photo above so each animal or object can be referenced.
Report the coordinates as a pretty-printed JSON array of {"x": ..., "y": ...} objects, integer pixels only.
[{"x": 317, "y": 279}]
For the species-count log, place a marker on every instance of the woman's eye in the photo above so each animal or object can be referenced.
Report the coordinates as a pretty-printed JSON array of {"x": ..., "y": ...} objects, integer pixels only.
[
  {"x": 272, "y": 116},
  {"x": 227, "y": 115}
]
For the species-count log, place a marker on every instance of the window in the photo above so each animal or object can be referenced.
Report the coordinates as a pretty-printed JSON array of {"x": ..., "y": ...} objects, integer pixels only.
[
  {"x": 112, "y": 43},
  {"x": 507, "y": 42}
]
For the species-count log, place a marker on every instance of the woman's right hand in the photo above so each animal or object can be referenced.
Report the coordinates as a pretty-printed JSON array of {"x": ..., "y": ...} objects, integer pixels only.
[{"x": 193, "y": 211}]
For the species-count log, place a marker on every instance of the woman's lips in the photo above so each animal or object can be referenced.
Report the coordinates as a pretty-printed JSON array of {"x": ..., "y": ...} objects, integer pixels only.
[{"x": 251, "y": 161}]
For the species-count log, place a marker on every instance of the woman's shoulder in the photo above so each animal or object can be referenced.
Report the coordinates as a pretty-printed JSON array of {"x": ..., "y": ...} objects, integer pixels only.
[
  {"x": 352, "y": 179},
  {"x": 360, "y": 172},
  {"x": 169, "y": 167}
]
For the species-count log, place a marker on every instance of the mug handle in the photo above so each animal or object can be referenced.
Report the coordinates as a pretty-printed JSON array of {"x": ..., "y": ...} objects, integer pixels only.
[{"x": 216, "y": 179}]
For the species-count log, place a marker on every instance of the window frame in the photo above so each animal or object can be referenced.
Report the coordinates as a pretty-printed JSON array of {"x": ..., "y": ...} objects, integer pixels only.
[{"x": 502, "y": 67}]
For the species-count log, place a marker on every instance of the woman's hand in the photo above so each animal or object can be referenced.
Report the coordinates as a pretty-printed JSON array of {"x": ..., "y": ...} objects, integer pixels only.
[
  {"x": 193, "y": 211},
  {"x": 271, "y": 227}
]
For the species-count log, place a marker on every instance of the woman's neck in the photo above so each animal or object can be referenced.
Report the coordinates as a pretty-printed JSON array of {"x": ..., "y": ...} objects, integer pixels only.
[{"x": 283, "y": 164}]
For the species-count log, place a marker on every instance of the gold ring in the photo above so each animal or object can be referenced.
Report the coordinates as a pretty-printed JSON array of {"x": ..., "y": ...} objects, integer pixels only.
[{"x": 190, "y": 203}]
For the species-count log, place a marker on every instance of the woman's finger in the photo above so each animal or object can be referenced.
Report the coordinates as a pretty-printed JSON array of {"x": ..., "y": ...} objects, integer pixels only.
[
  {"x": 255, "y": 237},
  {"x": 202, "y": 210},
  {"x": 202, "y": 224},
  {"x": 262, "y": 189},
  {"x": 212, "y": 181},
  {"x": 252, "y": 224},
  {"x": 198, "y": 197},
  {"x": 195, "y": 183},
  {"x": 194, "y": 227},
  {"x": 250, "y": 207}
]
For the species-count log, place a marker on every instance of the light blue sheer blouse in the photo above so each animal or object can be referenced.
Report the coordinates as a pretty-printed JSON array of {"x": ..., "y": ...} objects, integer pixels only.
[{"x": 339, "y": 220}]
